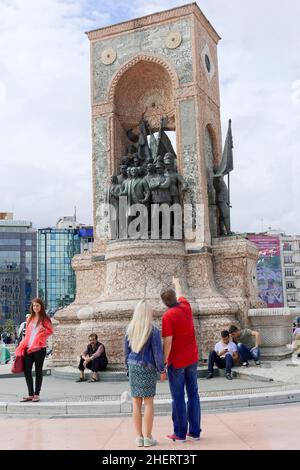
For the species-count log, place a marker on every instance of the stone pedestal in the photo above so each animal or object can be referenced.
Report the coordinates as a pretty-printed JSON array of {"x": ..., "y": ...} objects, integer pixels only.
[
  {"x": 108, "y": 289},
  {"x": 275, "y": 327},
  {"x": 235, "y": 261},
  {"x": 135, "y": 269}
]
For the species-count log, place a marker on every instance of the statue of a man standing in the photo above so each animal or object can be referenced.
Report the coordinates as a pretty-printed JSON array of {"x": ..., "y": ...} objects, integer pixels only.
[
  {"x": 112, "y": 199},
  {"x": 174, "y": 177},
  {"x": 222, "y": 201}
]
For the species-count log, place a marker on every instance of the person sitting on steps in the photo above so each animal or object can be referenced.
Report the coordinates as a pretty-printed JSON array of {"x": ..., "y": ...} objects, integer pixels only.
[
  {"x": 248, "y": 342},
  {"x": 224, "y": 354},
  {"x": 93, "y": 358}
]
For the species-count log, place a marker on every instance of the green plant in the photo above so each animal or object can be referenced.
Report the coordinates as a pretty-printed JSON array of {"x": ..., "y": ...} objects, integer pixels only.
[{"x": 9, "y": 327}]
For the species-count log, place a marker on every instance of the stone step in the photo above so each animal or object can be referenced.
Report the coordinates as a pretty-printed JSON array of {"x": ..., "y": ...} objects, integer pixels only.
[
  {"x": 71, "y": 373},
  {"x": 9, "y": 375},
  {"x": 162, "y": 406}
]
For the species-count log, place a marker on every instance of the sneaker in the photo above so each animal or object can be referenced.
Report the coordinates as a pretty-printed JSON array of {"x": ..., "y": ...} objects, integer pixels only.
[
  {"x": 174, "y": 438},
  {"x": 210, "y": 375},
  {"x": 257, "y": 363},
  {"x": 228, "y": 376},
  {"x": 139, "y": 441},
  {"x": 190, "y": 437},
  {"x": 245, "y": 364},
  {"x": 149, "y": 441}
]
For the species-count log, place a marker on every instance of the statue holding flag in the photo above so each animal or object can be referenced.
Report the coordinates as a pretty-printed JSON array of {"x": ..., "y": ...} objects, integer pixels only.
[{"x": 222, "y": 192}]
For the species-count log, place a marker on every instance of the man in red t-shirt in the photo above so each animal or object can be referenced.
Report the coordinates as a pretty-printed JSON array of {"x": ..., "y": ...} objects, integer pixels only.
[{"x": 181, "y": 357}]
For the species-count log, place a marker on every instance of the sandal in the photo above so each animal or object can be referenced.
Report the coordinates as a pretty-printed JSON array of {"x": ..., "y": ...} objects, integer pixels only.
[
  {"x": 29, "y": 398},
  {"x": 36, "y": 398},
  {"x": 93, "y": 380}
]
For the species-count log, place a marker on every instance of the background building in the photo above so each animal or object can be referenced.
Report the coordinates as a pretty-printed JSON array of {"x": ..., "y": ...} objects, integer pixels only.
[
  {"x": 86, "y": 234},
  {"x": 18, "y": 267},
  {"x": 269, "y": 269},
  {"x": 56, "y": 248},
  {"x": 290, "y": 247},
  {"x": 278, "y": 267}
]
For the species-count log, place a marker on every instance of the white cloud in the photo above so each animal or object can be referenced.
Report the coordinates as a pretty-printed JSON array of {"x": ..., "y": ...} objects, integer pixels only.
[
  {"x": 45, "y": 118},
  {"x": 45, "y": 137}
]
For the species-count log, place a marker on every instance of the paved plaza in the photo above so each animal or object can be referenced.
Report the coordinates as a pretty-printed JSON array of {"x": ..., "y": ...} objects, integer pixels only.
[
  {"x": 269, "y": 429},
  {"x": 241, "y": 414}
]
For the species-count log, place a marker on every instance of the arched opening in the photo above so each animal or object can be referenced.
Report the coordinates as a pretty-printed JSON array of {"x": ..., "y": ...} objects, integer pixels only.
[{"x": 145, "y": 90}]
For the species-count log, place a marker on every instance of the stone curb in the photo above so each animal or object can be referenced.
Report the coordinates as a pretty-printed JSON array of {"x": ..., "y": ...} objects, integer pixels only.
[
  {"x": 10, "y": 375},
  {"x": 162, "y": 406},
  {"x": 120, "y": 376}
]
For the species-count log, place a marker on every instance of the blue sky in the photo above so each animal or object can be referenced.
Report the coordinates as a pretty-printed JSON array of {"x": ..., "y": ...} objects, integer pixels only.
[{"x": 45, "y": 136}]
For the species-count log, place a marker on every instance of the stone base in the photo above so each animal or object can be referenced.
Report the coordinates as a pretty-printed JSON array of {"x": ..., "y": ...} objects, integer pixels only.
[
  {"x": 275, "y": 354},
  {"x": 131, "y": 270}
]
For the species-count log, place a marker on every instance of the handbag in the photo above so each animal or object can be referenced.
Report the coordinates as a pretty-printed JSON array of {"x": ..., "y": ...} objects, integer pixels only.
[{"x": 18, "y": 365}]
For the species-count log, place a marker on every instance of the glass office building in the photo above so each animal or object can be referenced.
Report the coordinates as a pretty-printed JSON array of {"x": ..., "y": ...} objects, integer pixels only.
[
  {"x": 18, "y": 269},
  {"x": 86, "y": 234},
  {"x": 56, "y": 278}
]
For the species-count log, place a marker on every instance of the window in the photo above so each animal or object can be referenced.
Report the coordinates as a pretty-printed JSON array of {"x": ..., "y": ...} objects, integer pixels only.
[
  {"x": 10, "y": 241},
  {"x": 287, "y": 246},
  {"x": 291, "y": 298},
  {"x": 28, "y": 242},
  {"x": 289, "y": 272},
  {"x": 288, "y": 260},
  {"x": 290, "y": 285}
]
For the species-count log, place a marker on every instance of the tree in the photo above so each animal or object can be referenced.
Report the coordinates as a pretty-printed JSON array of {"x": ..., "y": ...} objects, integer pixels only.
[{"x": 10, "y": 327}]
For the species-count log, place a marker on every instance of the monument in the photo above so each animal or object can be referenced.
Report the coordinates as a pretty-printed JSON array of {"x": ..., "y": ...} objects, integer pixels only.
[{"x": 152, "y": 75}]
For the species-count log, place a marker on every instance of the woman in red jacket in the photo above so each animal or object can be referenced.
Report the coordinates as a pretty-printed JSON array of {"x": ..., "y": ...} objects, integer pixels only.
[{"x": 33, "y": 347}]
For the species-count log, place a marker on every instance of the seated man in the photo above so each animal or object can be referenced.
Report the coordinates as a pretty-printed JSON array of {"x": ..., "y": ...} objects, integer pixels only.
[
  {"x": 223, "y": 355},
  {"x": 248, "y": 342},
  {"x": 94, "y": 358}
]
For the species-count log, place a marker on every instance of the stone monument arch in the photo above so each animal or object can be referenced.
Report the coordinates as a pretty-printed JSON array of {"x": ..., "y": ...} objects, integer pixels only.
[
  {"x": 157, "y": 66},
  {"x": 144, "y": 87}
]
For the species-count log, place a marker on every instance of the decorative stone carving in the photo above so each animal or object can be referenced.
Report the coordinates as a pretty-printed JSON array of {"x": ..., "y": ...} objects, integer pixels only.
[
  {"x": 135, "y": 60},
  {"x": 161, "y": 17},
  {"x": 108, "y": 56},
  {"x": 173, "y": 40}
]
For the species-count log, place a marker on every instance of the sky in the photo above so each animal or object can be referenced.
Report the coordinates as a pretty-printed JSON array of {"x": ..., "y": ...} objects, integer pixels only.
[{"x": 45, "y": 122}]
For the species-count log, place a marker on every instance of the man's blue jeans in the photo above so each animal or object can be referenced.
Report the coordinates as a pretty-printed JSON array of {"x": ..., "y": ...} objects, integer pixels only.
[
  {"x": 222, "y": 363},
  {"x": 186, "y": 417},
  {"x": 245, "y": 353}
]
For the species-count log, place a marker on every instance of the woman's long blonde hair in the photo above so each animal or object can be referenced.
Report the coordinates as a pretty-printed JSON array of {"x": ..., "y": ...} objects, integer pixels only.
[{"x": 140, "y": 327}]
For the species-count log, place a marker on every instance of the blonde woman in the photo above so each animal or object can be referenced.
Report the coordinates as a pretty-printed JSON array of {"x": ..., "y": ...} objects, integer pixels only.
[{"x": 143, "y": 358}]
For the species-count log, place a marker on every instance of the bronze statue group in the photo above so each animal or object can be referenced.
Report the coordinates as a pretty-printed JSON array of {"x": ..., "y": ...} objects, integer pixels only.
[{"x": 149, "y": 180}]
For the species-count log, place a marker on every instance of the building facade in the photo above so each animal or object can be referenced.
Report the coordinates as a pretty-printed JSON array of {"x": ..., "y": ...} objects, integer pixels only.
[
  {"x": 290, "y": 248},
  {"x": 278, "y": 268},
  {"x": 56, "y": 278},
  {"x": 86, "y": 234},
  {"x": 18, "y": 268},
  {"x": 269, "y": 269}
]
